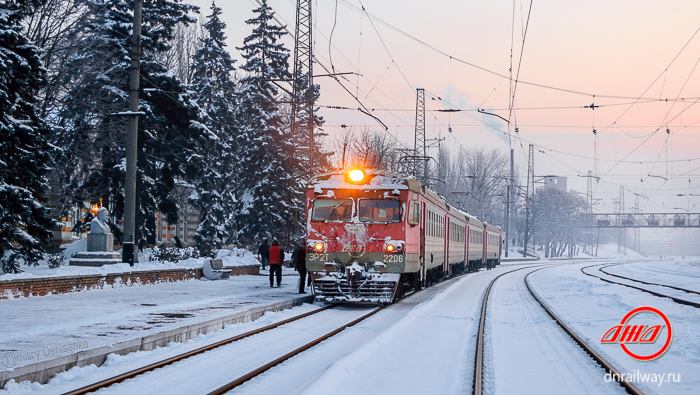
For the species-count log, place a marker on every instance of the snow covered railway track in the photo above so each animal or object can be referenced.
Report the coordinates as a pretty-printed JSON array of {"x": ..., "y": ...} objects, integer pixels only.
[
  {"x": 244, "y": 378},
  {"x": 628, "y": 385},
  {"x": 602, "y": 269},
  {"x": 169, "y": 361},
  {"x": 479, "y": 358},
  {"x": 647, "y": 290}
]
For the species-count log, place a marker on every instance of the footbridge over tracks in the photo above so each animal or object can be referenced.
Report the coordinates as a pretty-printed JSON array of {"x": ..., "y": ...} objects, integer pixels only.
[{"x": 641, "y": 220}]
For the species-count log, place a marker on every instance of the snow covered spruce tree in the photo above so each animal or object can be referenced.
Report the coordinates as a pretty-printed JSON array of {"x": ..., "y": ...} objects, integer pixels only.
[
  {"x": 212, "y": 80},
  {"x": 268, "y": 204},
  {"x": 171, "y": 134},
  {"x": 24, "y": 151}
]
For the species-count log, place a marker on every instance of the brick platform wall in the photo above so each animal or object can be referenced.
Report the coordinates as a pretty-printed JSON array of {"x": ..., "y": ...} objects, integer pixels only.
[{"x": 64, "y": 284}]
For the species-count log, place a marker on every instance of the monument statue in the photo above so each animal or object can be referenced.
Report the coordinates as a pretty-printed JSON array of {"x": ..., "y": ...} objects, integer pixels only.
[
  {"x": 99, "y": 223},
  {"x": 100, "y": 244}
]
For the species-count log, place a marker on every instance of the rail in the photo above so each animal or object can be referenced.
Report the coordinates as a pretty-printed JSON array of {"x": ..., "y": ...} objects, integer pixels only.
[
  {"x": 136, "y": 372},
  {"x": 479, "y": 358},
  {"x": 629, "y": 386},
  {"x": 675, "y": 299},
  {"x": 235, "y": 383}
]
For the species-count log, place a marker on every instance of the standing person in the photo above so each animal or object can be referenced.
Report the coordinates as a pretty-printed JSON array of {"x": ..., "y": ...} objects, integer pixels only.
[
  {"x": 300, "y": 266},
  {"x": 292, "y": 262},
  {"x": 264, "y": 253},
  {"x": 276, "y": 255}
]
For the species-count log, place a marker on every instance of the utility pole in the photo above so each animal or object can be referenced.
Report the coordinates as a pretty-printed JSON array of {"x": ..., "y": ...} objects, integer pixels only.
[
  {"x": 637, "y": 238},
  {"x": 420, "y": 170},
  {"x": 509, "y": 200},
  {"x": 128, "y": 250},
  {"x": 529, "y": 194},
  {"x": 621, "y": 247},
  {"x": 507, "y": 216},
  {"x": 589, "y": 208},
  {"x": 303, "y": 85}
]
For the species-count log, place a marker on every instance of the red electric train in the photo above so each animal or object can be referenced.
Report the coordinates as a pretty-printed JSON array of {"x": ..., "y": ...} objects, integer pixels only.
[{"x": 373, "y": 235}]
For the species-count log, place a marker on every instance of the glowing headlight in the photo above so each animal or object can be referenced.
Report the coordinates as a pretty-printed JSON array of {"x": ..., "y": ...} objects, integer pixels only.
[
  {"x": 318, "y": 247},
  {"x": 357, "y": 175},
  {"x": 389, "y": 248}
]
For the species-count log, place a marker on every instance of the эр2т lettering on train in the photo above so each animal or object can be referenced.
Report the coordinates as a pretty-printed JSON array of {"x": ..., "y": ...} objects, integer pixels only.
[{"x": 373, "y": 235}]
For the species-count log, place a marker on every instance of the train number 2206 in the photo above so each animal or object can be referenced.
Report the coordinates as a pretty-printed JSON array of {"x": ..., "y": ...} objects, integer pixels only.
[{"x": 398, "y": 258}]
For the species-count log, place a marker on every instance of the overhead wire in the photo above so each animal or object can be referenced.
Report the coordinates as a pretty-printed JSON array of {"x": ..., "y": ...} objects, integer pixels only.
[
  {"x": 435, "y": 49},
  {"x": 520, "y": 62},
  {"x": 403, "y": 75}
]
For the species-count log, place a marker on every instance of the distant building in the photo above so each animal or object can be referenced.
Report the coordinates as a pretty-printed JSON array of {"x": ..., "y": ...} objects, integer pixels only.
[
  {"x": 555, "y": 182},
  {"x": 185, "y": 229}
]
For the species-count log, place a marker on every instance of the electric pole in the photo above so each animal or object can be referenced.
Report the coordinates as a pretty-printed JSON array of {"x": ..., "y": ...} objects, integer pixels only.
[
  {"x": 420, "y": 170},
  {"x": 621, "y": 247},
  {"x": 589, "y": 208},
  {"x": 303, "y": 85},
  {"x": 507, "y": 216},
  {"x": 529, "y": 195},
  {"x": 509, "y": 200},
  {"x": 128, "y": 250},
  {"x": 637, "y": 231}
]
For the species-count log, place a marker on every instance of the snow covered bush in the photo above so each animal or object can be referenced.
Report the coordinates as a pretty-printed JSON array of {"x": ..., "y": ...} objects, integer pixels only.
[
  {"x": 55, "y": 260},
  {"x": 169, "y": 253}
]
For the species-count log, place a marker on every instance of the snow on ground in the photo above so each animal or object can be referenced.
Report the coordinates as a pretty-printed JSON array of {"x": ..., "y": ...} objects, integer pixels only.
[
  {"x": 78, "y": 377},
  {"x": 220, "y": 366},
  {"x": 605, "y": 251},
  {"x": 683, "y": 272},
  {"x": 233, "y": 257},
  {"x": 592, "y": 307},
  {"x": 425, "y": 344},
  {"x": 428, "y": 351},
  {"x": 216, "y": 367},
  {"x": 525, "y": 351},
  {"x": 106, "y": 316},
  {"x": 296, "y": 375}
]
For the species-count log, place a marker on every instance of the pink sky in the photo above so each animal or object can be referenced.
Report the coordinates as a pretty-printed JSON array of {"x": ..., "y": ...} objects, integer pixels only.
[{"x": 596, "y": 47}]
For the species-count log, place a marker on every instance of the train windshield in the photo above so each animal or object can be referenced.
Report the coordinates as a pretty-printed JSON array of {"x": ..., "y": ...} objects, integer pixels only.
[
  {"x": 331, "y": 210},
  {"x": 380, "y": 210}
]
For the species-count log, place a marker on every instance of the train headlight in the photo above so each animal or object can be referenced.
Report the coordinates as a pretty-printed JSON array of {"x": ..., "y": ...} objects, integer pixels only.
[
  {"x": 389, "y": 248},
  {"x": 319, "y": 247},
  {"x": 356, "y": 175}
]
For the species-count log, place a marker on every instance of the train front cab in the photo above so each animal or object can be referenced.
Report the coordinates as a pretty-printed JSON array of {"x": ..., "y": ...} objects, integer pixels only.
[{"x": 368, "y": 253}]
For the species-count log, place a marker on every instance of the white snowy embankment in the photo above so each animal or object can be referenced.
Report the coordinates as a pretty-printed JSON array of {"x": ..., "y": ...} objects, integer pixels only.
[
  {"x": 230, "y": 257},
  {"x": 604, "y": 251},
  {"x": 592, "y": 307}
]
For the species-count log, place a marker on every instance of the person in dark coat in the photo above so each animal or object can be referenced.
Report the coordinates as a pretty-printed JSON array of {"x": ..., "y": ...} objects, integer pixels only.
[
  {"x": 292, "y": 262},
  {"x": 276, "y": 255},
  {"x": 264, "y": 253},
  {"x": 300, "y": 266}
]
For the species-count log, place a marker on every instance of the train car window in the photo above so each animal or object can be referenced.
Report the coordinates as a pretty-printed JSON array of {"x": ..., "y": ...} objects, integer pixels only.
[
  {"x": 380, "y": 210},
  {"x": 414, "y": 215},
  {"x": 331, "y": 210}
]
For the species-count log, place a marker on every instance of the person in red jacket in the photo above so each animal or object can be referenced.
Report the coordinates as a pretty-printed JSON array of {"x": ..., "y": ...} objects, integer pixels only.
[{"x": 275, "y": 262}]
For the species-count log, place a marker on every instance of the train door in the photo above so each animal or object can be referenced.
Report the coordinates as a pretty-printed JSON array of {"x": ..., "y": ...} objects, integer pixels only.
[
  {"x": 466, "y": 247},
  {"x": 483, "y": 243},
  {"x": 468, "y": 237},
  {"x": 421, "y": 258},
  {"x": 446, "y": 247},
  {"x": 500, "y": 249}
]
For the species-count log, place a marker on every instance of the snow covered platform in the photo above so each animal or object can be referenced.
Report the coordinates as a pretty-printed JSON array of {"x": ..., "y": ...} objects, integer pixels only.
[{"x": 43, "y": 336}]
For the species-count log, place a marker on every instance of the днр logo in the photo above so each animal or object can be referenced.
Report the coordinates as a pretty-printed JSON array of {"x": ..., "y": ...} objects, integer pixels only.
[{"x": 625, "y": 333}]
